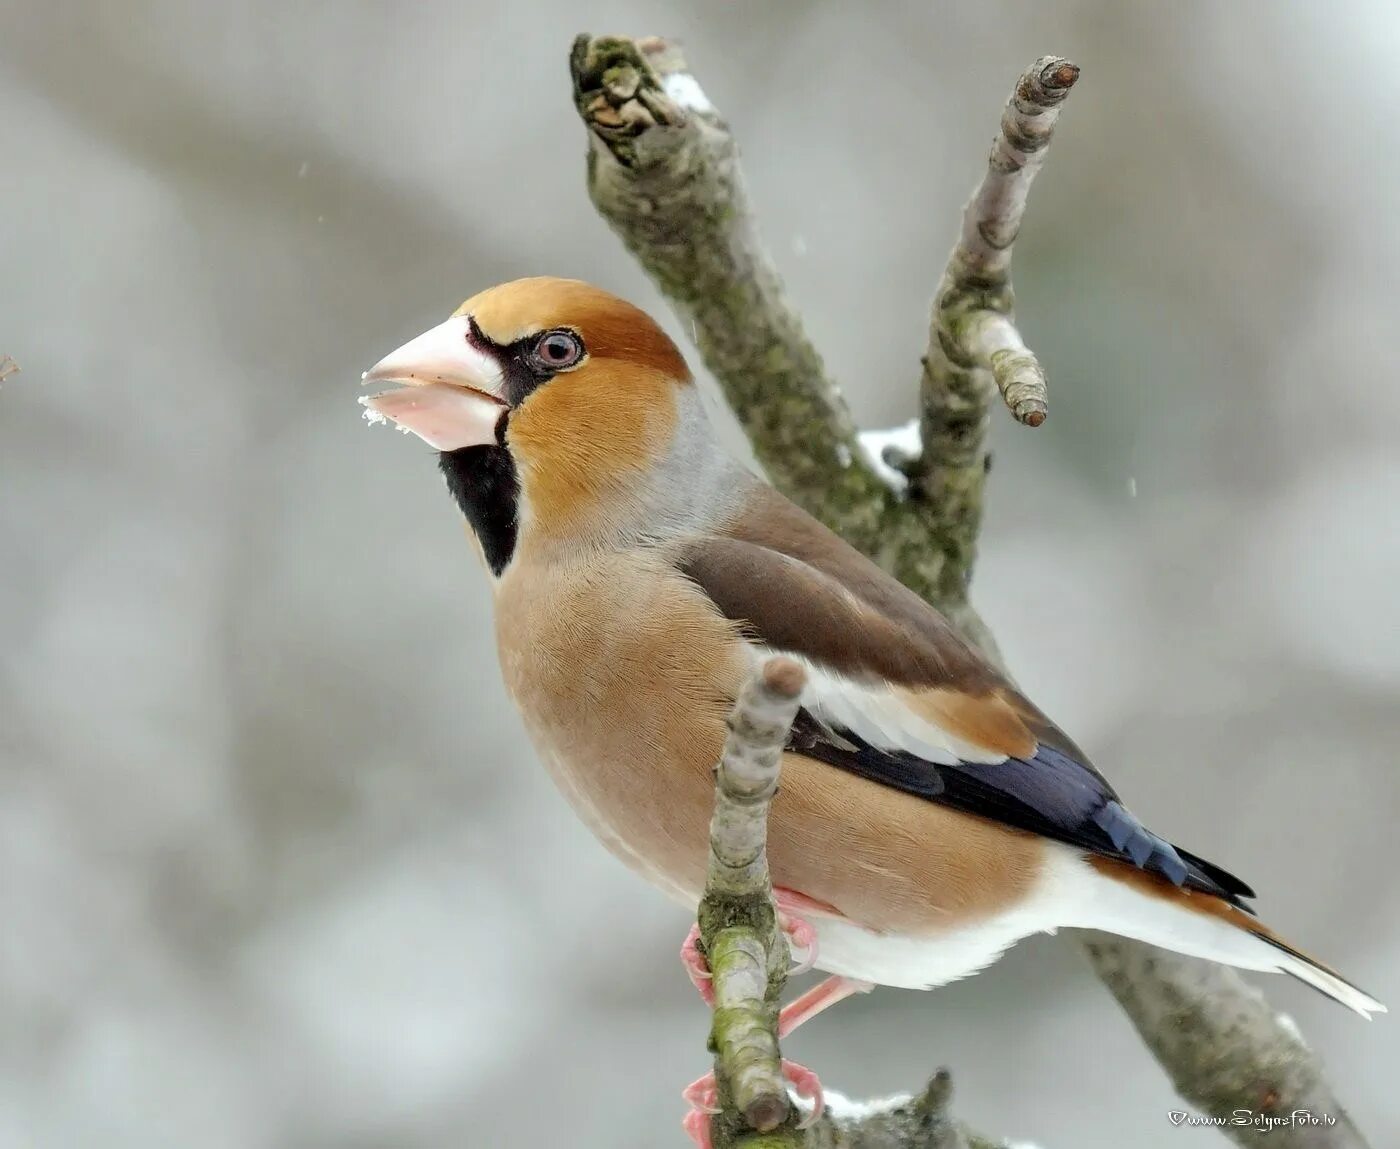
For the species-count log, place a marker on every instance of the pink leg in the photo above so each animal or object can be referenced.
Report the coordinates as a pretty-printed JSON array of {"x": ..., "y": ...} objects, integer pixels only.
[
  {"x": 696, "y": 967},
  {"x": 821, "y": 996}
]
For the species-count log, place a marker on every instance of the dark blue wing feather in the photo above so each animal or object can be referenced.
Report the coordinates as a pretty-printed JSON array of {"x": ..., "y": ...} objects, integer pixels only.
[{"x": 1050, "y": 793}]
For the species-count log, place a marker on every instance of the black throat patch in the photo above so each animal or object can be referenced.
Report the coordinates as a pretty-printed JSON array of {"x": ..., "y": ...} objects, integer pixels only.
[
  {"x": 483, "y": 480},
  {"x": 484, "y": 483}
]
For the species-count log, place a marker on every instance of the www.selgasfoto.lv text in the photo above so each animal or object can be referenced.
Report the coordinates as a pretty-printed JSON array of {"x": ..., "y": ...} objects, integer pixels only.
[{"x": 1263, "y": 1122}]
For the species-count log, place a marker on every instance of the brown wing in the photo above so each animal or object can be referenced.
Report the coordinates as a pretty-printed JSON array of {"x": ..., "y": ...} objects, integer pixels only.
[
  {"x": 801, "y": 588},
  {"x": 898, "y": 697}
]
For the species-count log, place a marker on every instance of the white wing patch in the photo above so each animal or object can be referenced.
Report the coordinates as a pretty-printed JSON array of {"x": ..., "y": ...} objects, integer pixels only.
[{"x": 875, "y": 713}]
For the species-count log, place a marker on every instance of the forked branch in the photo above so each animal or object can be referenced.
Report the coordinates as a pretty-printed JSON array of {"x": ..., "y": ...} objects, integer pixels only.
[{"x": 663, "y": 170}]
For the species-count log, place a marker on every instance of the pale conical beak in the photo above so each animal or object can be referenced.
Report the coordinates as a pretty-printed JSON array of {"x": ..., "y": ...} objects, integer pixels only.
[{"x": 452, "y": 396}]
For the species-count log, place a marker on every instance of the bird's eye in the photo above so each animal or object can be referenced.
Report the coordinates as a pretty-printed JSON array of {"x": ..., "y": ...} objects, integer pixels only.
[{"x": 555, "y": 350}]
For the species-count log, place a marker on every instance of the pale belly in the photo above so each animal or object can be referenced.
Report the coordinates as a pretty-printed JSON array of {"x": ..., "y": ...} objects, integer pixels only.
[{"x": 937, "y": 956}]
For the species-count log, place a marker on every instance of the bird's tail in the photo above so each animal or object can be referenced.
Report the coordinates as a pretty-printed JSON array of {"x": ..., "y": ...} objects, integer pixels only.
[
  {"x": 1319, "y": 975},
  {"x": 1142, "y": 905}
]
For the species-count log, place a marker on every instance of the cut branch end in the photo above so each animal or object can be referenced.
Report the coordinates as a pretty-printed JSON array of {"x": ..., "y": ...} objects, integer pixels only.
[
  {"x": 783, "y": 677},
  {"x": 624, "y": 87},
  {"x": 1058, "y": 74},
  {"x": 766, "y": 1113}
]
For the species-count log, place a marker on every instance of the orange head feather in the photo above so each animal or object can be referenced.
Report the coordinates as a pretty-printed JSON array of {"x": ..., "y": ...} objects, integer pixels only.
[
  {"x": 579, "y": 388},
  {"x": 593, "y": 427}
]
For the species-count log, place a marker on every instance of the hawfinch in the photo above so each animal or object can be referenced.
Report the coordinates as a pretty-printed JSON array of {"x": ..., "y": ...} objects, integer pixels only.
[{"x": 930, "y": 814}]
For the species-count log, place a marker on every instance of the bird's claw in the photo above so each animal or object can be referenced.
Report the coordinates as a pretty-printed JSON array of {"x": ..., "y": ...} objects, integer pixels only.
[
  {"x": 697, "y": 1127},
  {"x": 801, "y": 935},
  {"x": 808, "y": 1087},
  {"x": 696, "y": 967},
  {"x": 702, "y": 1095},
  {"x": 800, "y": 932}
]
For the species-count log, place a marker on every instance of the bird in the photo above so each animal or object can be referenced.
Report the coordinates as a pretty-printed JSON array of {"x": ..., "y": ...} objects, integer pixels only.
[{"x": 930, "y": 814}]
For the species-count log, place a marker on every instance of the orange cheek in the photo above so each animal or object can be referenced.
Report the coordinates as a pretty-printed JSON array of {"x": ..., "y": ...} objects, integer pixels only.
[{"x": 586, "y": 434}]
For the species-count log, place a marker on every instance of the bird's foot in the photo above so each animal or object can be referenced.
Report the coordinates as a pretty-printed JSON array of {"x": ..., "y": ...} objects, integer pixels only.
[
  {"x": 808, "y": 1087},
  {"x": 802, "y": 942},
  {"x": 697, "y": 1127},
  {"x": 702, "y": 1096},
  {"x": 800, "y": 934}
]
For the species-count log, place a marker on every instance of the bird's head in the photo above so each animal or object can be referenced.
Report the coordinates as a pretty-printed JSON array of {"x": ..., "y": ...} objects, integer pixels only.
[{"x": 551, "y": 401}]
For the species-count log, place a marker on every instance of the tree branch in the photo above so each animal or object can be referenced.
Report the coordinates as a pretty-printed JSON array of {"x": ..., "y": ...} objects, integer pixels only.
[
  {"x": 747, "y": 953},
  {"x": 974, "y": 349},
  {"x": 8, "y": 367},
  {"x": 748, "y": 957},
  {"x": 663, "y": 171},
  {"x": 1223, "y": 1046}
]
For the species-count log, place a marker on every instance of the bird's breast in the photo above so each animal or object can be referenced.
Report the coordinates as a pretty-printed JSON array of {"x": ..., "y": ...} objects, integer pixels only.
[{"x": 624, "y": 675}]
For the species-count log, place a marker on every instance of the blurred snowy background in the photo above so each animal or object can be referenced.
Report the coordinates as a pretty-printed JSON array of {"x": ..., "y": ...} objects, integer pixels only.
[{"x": 277, "y": 868}]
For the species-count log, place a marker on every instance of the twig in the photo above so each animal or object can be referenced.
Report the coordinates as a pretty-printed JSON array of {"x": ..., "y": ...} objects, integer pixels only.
[
  {"x": 748, "y": 958},
  {"x": 974, "y": 348},
  {"x": 747, "y": 953},
  {"x": 8, "y": 367},
  {"x": 971, "y": 323},
  {"x": 663, "y": 170}
]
